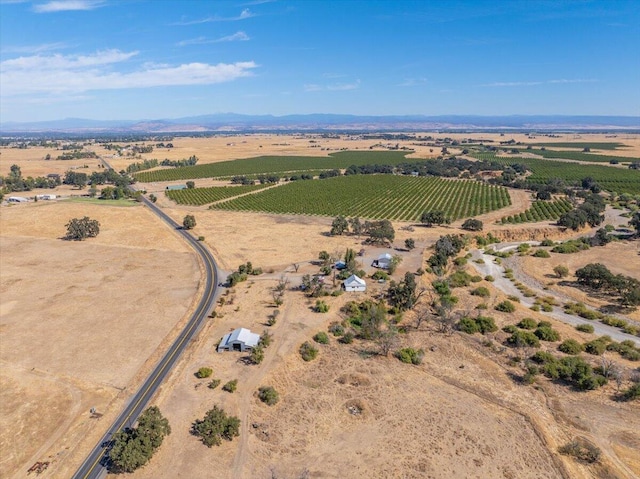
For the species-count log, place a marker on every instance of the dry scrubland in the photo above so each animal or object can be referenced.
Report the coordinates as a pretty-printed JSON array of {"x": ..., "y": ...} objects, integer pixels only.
[{"x": 66, "y": 308}]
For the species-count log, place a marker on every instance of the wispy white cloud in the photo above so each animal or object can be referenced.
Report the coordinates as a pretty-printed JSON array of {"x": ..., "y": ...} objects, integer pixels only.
[
  {"x": 258, "y": 2},
  {"x": 34, "y": 49},
  {"x": 542, "y": 82},
  {"x": 244, "y": 14},
  {"x": 236, "y": 37},
  {"x": 309, "y": 87},
  {"x": 66, "y": 74},
  {"x": 68, "y": 5},
  {"x": 413, "y": 82}
]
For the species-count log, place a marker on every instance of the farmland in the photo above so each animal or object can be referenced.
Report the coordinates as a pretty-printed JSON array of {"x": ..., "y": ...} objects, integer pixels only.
[
  {"x": 375, "y": 196},
  {"x": 593, "y": 145},
  {"x": 203, "y": 196},
  {"x": 613, "y": 179},
  {"x": 275, "y": 164},
  {"x": 579, "y": 156},
  {"x": 540, "y": 211}
]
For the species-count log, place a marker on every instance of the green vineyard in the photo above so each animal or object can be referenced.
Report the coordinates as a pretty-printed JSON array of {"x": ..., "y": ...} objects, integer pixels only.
[
  {"x": 540, "y": 211},
  {"x": 620, "y": 180},
  {"x": 390, "y": 197},
  {"x": 203, "y": 196},
  {"x": 275, "y": 164}
]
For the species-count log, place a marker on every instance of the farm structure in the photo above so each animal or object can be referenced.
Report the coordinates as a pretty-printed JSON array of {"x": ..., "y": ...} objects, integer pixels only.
[
  {"x": 46, "y": 197},
  {"x": 354, "y": 283},
  {"x": 383, "y": 261},
  {"x": 240, "y": 339},
  {"x": 17, "y": 199},
  {"x": 176, "y": 187}
]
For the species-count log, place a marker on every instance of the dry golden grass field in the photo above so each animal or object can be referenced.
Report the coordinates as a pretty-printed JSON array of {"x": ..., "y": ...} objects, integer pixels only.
[{"x": 81, "y": 323}]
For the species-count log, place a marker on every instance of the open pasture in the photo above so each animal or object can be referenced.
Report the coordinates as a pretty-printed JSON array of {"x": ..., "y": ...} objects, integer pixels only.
[
  {"x": 375, "y": 196},
  {"x": 275, "y": 164}
]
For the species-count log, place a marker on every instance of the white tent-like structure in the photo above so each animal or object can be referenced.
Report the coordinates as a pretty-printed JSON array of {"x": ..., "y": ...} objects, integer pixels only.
[
  {"x": 354, "y": 283},
  {"x": 383, "y": 261},
  {"x": 240, "y": 339}
]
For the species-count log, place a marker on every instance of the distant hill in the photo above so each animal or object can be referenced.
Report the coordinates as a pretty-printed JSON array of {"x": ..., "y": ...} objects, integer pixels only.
[{"x": 221, "y": 122}]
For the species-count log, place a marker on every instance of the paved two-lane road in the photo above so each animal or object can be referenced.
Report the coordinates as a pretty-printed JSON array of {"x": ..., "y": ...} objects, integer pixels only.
[{"x": 94, "y": 466}]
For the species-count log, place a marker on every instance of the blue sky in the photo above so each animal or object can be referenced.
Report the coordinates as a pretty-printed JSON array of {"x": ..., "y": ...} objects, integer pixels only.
[{"x": 151, "y": 59}]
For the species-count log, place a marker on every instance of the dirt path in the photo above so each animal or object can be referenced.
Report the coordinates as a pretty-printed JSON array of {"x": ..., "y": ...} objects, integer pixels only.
[{"x": 505, "y": 285}]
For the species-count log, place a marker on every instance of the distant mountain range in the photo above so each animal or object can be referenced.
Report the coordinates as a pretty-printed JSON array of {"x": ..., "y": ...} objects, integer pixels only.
[{"x": 233, "y": 122}]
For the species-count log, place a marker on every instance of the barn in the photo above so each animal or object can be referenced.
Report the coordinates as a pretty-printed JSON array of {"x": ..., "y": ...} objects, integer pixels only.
[
  {"x": 240, "y": 339},
  {"x": 354, "y": 283},
  {"x": 383, "y": 261}
]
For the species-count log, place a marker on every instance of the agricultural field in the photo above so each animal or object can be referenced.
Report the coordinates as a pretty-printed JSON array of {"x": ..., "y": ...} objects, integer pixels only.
[
  {"x": 540, "y": 211},
  {"x": 579, "y": 156},
  {"x": 375, "y": 196},
  {"x": 620, "y": 180},
  {"x": 203, "y": 196},
  {"x": 593, "y": 145},
  {"x": 275, "y": 164}
]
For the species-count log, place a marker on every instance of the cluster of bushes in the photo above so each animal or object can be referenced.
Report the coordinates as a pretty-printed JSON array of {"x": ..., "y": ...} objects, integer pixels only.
[
  {"x": 579, "y": 309},
  {"x": 308, "y": 351},
  {"x": 257, "y": 353},
  {"x": 581, "y": 450},
  {"x": 445, "y": 247},
  {"x": 243, "y": 272},
  {"x": 572, "y": 246},
  {"x": 215, "y": 426},
  {"x": 191, "y": 161},
  {"x": 571, "y": 369},
  {"x": 479, "y": 324},
  {"x": 410, "y": 355},
  {"x": 143, "y": 165},
  {"x": 588, "y": 212},
  {"x": 627, "y": 348},
  {"x": 268, "y": 395}
]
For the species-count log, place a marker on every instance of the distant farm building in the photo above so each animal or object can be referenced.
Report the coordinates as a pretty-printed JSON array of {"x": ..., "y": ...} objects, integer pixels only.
[
  {"x": 383, "y": 261},
  {"x": 354, "y": 283},
  {"x": 53, "y": 176},
  {"x": 340, "y": 265},
  {"x": 176, "y": 187},
  {"x": 17, "y": 199},
  {"x": 46, "y": 197},
  {"x": 240, "y": 339}
]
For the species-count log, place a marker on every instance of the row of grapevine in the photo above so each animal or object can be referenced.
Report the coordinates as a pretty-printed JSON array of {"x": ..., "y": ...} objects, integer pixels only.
[
  {"x": 540, "y": 211},
  {"x": 376, "y": 197},
  {"x": 620, "y": 180},
  {"x": 274, "y": 164},
  {"x": 203, "y": 196}
]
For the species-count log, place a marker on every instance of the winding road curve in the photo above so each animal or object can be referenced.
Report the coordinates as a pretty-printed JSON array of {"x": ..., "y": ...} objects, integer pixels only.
[{"x": 95, "y": 464}]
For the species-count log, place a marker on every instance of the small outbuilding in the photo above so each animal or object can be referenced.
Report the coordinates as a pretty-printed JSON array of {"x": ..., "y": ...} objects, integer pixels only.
[
  {"x": 176, "y": 187},
  {"x": 354, "y": 283},
  {"x": 17, "y": 199},
  {"x": 240, "y": 339},
  {"x": 383, "y": 261}
]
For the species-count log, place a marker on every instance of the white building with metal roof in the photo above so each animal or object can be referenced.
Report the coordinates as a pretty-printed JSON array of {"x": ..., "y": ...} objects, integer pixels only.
[{"x": 240, "y": 339}]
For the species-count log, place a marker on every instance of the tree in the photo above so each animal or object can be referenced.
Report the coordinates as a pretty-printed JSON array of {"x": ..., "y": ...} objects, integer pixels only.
[
  {"x": 189, "y": 222},
  {"x": 350, "y": 260},
  {"x": 394, "y": 263},
  {"x": 339, "y": 226},
  {"x": 268, "y": 395},
  {"x": 402, "y": 295},
  {"x": 380, "y": 232},
  {"x": 153, "y": 198},
  {"x": 79, "y": 229},
  {"x": 409, "y": 243},
  {"x": 356, "y": 226},
  {"x": 388, "y": 340},
  {"x": 133, "y": 448},
  {"x": 472, "y": 224},
  {"x": 191, "y": 185},
  {"x": 635, "y": 221},
  {"x": 430, "y": 218},
  {"x": 561, "y": 271},
  {"x": 215, "y": 426}
]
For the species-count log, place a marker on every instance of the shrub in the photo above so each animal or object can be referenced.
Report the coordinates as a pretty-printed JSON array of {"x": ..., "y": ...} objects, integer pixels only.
[
  {"x": 506, "y": 307},
  {"x": 380, "y": 275},
  {"x": 596, "y": 347},
  {"x": 510, "y": 328},
  {"x": 472, "y": 224},
  {"x": 347, "y": 338},
  {"x": 268, "y": 395},
  {"x": 257, "y": 355},
  {"x": 585, "y": 328},
  {"x": 214, "y": 383},
  {"x": 546, "y": 333},
  {"x": 632, "y": 393},
  {"x": 321, "y": 338},
  {"x": 581, "y": 450},
  {"x": 547, "y": 242},
  {"x": 541, "y": 253},
  {"x": 468, "y": 325},
  {"x": 265, "y": 339},
  {"x": 410, "y": 355},
  {"x": 523, "y": 338},
  {"x": 204, "y": 373},
  {"x": 231, "y": 386},
  {"x": 321, "y": 306},
  {"x": 308, "y": 352},
  {"x": 571, "y": 346},
  {"x": 513, "y": 298},
  {"x": 561, "y": 271},
  {"x": 528, "y": 323},
  {"x": 489, "y": 278},
  {"x": 543, "y": 357},
  {"x": 481, "y": 291},
  {"x": 459, "y": 279},
  {"x": 482, "y": 306},
  {"x": 461, "y": 261},
  {"x": 336, "y": 329},
  {"x": 441, "y": 287}
]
